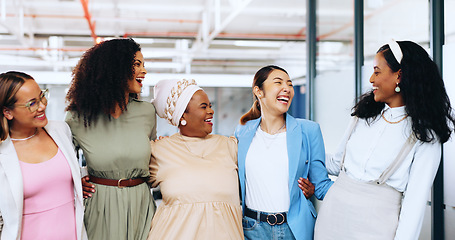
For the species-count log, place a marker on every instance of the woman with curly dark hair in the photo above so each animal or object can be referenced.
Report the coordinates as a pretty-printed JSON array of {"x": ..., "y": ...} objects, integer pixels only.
[
  {"x": 114, "y": 130},
  {"x": 390, "y": 154}
]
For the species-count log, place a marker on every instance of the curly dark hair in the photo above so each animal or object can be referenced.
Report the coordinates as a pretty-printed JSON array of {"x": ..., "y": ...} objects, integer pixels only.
[
  {"x": 423, "y": 92},
  {"x": 100, "y": 79}
]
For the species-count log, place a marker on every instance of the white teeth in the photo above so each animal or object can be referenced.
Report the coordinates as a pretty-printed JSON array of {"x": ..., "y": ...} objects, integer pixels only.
[
  {"x": 208, "y": 120},
  {"x": 375, "y": 88},
  {"x": 40, "y": 116},
  {"x": 283, "y": 99}
]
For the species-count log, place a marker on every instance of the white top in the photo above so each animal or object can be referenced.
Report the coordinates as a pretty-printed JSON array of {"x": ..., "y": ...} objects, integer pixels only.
[
  {"x": 267, "y": 173},
  {"x": 372, "y": 148}
]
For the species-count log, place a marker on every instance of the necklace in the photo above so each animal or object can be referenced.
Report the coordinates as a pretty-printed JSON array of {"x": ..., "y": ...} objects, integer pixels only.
[
  {"x": 27, "y": 138},
  {"x": 405, "y": 116},
  {"x": 189, "y": 149},
  {"x": 284, "y": 124},
  {"x": 268, "y": 141}
]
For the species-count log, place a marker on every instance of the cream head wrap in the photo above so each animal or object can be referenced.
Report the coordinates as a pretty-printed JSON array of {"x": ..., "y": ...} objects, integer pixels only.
[{"x": 172, "y": 97}]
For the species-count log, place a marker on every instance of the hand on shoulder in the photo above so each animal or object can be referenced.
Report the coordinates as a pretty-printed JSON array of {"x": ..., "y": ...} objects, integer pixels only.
[{"x": 160, "y": 138}]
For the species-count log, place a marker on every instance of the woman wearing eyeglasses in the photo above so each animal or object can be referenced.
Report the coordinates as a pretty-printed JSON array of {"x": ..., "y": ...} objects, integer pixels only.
[{"x": 40, "y": 187}]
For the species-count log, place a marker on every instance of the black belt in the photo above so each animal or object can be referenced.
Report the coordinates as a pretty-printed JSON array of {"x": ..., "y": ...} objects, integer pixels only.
[{"x": 270, "y": 218}]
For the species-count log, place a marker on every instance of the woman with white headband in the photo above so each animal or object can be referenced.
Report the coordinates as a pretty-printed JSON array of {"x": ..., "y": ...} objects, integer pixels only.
[
  {"x": 196, "y": 170},
  {"x": 388, "y": 158}
]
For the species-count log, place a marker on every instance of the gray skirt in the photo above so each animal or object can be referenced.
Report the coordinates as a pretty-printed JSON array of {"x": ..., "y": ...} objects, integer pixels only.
[{"x": 358, "y": 210}]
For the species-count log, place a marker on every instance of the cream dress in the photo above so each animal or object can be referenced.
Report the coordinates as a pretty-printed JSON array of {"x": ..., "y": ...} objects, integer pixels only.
[{"x": 199, "y": 183}]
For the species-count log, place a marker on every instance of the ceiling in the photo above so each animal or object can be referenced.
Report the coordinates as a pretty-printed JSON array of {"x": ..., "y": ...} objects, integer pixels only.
[{"x": 197, "y": 36}]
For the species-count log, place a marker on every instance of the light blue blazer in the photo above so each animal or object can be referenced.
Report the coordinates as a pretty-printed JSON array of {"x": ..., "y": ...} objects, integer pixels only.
[
  {"x": 306, "y": 155},
  {"x": 11, "y": 186}
]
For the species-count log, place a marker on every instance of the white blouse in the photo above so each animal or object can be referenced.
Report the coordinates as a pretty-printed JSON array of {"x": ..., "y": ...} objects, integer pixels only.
[{"x": 372, "y": 148}]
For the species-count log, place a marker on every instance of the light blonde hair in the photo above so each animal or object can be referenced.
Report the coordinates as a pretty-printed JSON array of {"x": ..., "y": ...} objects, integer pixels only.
[{"x": 10, "y": 83}]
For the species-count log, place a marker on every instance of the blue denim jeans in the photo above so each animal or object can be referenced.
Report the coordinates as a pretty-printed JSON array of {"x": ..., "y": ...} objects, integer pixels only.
[{"x": 254, "y": 229}]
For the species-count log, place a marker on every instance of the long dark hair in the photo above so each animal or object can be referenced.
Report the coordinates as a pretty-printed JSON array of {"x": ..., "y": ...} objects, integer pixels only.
[
  {"x": 100, "y": 79},
  {"x": 258, "y": 80},
  {"x": 10, "y": 83},
  {"x": 423, "y": 92}
]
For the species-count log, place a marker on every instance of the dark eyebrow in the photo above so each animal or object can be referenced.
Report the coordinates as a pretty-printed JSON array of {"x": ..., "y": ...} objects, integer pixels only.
[
  {"x": 376, "y": 67},
  {"x": 138, "y": 60},
  {"x": 32, "y": 99},
  {"x": 279, "y": 78},
  {"x": 205, "y": 104}
]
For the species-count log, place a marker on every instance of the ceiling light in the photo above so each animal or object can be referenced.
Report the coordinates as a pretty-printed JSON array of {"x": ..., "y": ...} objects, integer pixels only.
[{"x": 257, "y": 44}]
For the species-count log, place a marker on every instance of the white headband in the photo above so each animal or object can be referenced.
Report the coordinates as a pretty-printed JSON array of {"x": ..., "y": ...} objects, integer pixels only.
[{"x": 396, "y": 50}]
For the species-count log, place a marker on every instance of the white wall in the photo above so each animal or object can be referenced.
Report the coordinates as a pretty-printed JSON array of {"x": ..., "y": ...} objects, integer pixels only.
[
  {"x": 449, "y": 147},
  {"x": 334, "y": 98}
]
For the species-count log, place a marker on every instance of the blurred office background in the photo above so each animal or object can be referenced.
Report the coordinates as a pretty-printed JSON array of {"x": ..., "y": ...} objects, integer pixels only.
[{"x": 222, "y": 43}]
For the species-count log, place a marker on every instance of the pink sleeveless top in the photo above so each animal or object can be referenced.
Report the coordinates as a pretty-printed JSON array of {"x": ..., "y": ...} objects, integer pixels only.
[{"x": 48, "y": 200}]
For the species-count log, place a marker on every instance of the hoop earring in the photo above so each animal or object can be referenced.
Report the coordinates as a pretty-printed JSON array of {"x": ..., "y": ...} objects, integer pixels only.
[
  {"x": 397, "y": 89},
  {"x": 183, "y": 122}
]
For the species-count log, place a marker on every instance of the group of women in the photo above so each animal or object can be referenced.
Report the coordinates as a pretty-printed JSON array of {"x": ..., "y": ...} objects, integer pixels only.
[{"x": 254, "y": 185}]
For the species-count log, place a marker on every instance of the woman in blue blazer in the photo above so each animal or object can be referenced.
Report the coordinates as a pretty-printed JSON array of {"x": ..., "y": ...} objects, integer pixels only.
[{"x": 276, "y": 150}]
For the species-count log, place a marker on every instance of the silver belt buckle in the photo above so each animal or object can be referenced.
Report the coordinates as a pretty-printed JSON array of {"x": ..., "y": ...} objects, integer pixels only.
[{"x": 276, "y": 219}]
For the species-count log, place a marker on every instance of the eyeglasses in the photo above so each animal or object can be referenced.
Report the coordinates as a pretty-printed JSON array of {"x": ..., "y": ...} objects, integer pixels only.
[{"x": 34, "y": 104}]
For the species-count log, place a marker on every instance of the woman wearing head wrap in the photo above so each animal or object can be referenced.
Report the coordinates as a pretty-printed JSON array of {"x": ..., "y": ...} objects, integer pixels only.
[
  {"x": 389, "y": 156},
  {"x": 196, "y": 170}
]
